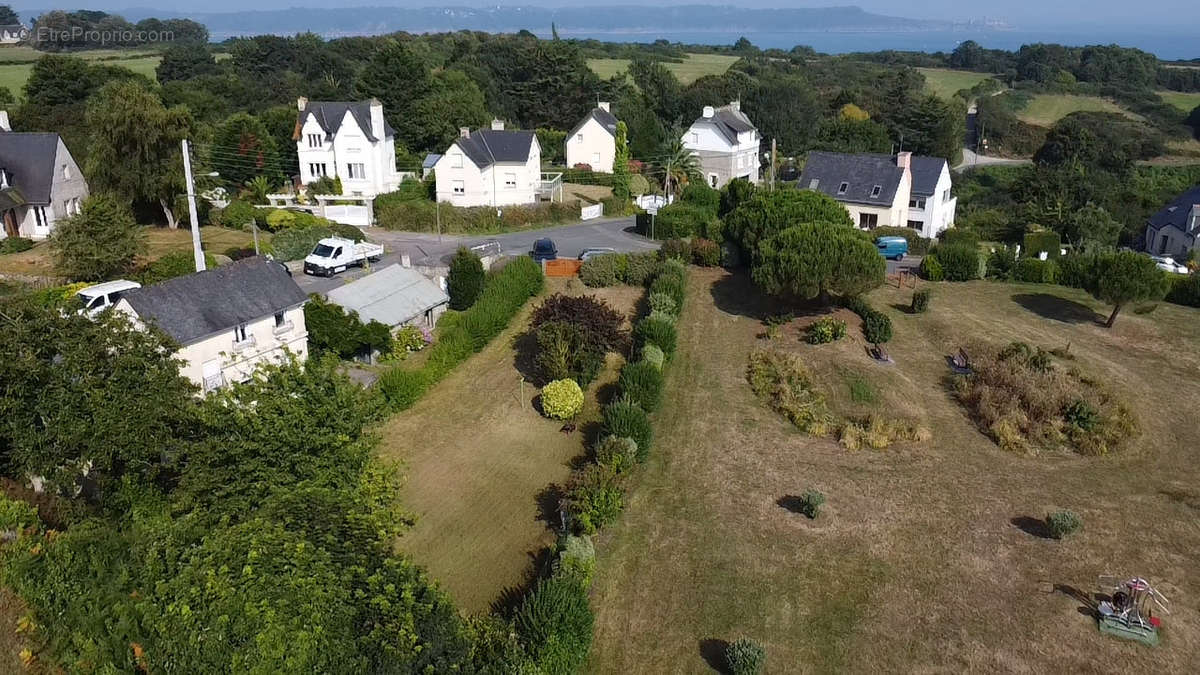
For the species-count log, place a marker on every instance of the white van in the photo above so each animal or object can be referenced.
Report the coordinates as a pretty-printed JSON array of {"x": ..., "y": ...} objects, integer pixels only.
[{"x": 100, "y": 297}]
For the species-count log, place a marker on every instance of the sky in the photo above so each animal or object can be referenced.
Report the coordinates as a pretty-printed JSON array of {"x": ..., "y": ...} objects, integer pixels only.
[{"x": 1024, "y": 14}]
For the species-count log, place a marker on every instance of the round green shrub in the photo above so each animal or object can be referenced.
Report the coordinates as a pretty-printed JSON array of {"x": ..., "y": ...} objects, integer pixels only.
[
  {"x": 466, "y": 279},
  {"x": 811, "y": 502},
  {"x": 238, "y": 215},
  {"x": 931, "y": 269},
  {"x": 624, "y": 418},
  {"x": 959, "y": 261},
  {"x": 639, "y": 267},
  {"x": 676, "y": 249},
  {"x": 706, "y": 253},
  {"x": 616, "y": 452},
  {"x": 877, "y": 327},
  {"x": 662, "y": 302},
  {"x": 562, "y": 399},
  {"x": 656, "y": 330},
  {"x": 595, "y": 497},
  {"x": 745, "y": 657},
  {"x": 602, "y": 270},
  {"x": 653, "y": 355},
  {"x": 642, "y": 382},
  {"x": 920, "y": 301},
  {"x": 825, "y": 330},
  {"x": 1063, "y": 523}
]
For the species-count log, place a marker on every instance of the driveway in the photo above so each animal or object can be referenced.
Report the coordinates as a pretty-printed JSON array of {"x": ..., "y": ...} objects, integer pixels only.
[
  {"x": 428, "y": 249},
  {"x": 970, "y": 160}
]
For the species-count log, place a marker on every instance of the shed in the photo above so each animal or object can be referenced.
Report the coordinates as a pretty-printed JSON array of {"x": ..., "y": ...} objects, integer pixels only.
[{"x": 393, "y": 296}]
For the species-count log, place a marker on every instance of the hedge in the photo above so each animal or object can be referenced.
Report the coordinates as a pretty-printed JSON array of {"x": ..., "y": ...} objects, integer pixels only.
[
  {"x": 1036, "y": 271},
  {"x": 959, "y": 261},
  {"x": 618, "y": 268},
  {"x": 1185, "y": 289},
  {"x": 296, "y": 243},
  {"x": 680, "y": 221},
  {"x": 394, "y": 213},
  {"x": 1046, "y": 241},
  {"x": 505, "y": 292}
]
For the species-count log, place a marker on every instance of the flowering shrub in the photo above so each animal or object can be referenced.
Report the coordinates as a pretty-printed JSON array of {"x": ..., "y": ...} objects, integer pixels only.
[
  {"x": 562, "y": 399},
  {"x": 412, "y": 339}
]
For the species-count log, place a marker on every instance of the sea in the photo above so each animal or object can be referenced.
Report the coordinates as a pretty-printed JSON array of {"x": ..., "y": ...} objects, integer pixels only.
[{"x": 1167, "y": 45}]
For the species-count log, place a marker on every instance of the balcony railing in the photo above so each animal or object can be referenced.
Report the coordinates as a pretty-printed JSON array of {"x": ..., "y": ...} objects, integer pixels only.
[
  {"x": 550, "y": 186},
  {"x": 213, "y": 382},
  {"x": 244, "y": 344},
  {"x": 284, "y": 328}
]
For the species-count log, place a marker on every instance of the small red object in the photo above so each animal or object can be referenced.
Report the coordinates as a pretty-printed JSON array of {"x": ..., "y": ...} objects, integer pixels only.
[{"x": 1156, "y": 622}]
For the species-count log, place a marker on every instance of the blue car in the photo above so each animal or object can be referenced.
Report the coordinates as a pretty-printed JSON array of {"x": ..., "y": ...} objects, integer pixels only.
[
  {"x": 544, "y": 249},
  {"x": 893, "y": 248}
]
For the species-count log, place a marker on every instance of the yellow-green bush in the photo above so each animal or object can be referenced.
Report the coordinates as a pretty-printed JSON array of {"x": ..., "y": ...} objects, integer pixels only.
[{"x": 562, "y": 399}]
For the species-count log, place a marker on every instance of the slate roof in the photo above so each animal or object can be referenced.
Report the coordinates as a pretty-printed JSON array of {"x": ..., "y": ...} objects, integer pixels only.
[
  {"x": 391, "y": 296},
  {"x": 331, "y": 114},
  {"x": 861, "y": 173},
  {"x": 29, "y": 160},
  {"x": 604, "y": 117},
  {"x": 925, "y": 174},
  {"x": 487, "y": 146},
  {"x": 729, "y": 122},
  {"x": 430, "y": 160},
  {"x": 1177, "y": 212},
  {"x": 196, "y": 306}
]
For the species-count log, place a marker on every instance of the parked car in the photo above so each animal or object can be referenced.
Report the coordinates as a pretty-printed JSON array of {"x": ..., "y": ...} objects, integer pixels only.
[
  {"x": 1167, "y": 264},
  {"x": 589, "y": 253},
  {"x": 100, "y": 297},
  {"x": 334, "y": 254},
  {"x": 544, "y": 249},
  {"x": 894, "y": 248}
]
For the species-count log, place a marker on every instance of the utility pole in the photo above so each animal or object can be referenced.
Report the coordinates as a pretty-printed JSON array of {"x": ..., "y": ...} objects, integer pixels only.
[
  {"x": 774, "y": 149},
  {"x": 197, "y": 251},
  {"x": 438, "y": 218},
  {"x": 254, "y": 229}
]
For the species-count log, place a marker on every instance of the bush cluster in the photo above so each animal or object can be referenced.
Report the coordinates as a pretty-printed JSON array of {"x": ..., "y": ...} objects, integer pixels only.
[
  {"x": 461, "y": 334},
  {"x": 17, "y": 515},
  {"x": 920, "y": 301},
  {"x": 877, "y": 326},
  {"x": 169, "y": 266},
  {"x": 402, "y": 213},
  {"x": 594, "y": 497},
  {"x": 706, "y": 252},
  {"x": 1033, "y": 270},
  {"x": 554, "y": 623},
  {"x": 676, "y": 249},
  {"x": 642, "y": 383},
  {"x": 1185, "y": 289},
  {"x": 931, "y": 269},
  {"x": 564, "y": 353},
  {"x": 15, "y": 245},
  {"x": 657, "y": 329},
  {"x": 596, "y": 319},
  {"x": 238, "y": 215},
  {"x": 959, "y": 261},
  {"x": 562, "y": 399},
  {"x": 744, "y": 656},
  {"x": 1063, "y": 523},
  {"x": 681, "y": 220},
  {"x": 332, "y": 330},
  {"x": 618, "y": 268},
  {"x": 825, "y": 330}
]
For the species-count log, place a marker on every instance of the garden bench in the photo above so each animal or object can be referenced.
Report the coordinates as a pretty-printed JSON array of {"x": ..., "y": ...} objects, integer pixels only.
[{"x": 961, "y": 362}]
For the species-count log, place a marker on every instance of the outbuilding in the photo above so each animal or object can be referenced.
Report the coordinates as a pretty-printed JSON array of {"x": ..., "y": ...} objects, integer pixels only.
[{"x": 394, "y": 296}]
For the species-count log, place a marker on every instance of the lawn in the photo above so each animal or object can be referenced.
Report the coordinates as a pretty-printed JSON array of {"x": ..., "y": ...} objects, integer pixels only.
[
  {"x": 691, "y": 69},
  {"x": 1046, "y": 109},
  {"x": 159, "y": 241},
  {"x": 926, "y": 557},
  {"x": 13, "y": 75},
  {"x": 1185, "y": 101},
  {"x": 944, "y": 83},
  {"x": 480, "y": 463}
]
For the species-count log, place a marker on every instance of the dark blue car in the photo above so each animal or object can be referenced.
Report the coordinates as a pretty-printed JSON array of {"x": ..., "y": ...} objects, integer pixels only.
[{"x": 544, "y": 249}]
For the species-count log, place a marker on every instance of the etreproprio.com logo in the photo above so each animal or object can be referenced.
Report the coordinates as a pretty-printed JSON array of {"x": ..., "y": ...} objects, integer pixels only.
[{"x": 78, "y": 34}]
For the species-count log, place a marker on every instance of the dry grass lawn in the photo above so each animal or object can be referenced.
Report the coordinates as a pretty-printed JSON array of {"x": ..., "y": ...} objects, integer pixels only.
[
  {"x": 927, "y": 557},
  {"x": 479, "y": 461},
  {"x": 688, "y": 71},
  {"x": 1046, "y": 109}
]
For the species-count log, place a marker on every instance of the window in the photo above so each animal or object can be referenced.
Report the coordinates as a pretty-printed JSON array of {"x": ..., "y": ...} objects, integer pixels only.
[
  {"x": 868, "y": 221},
  {"x": 945, "y": 196},
  {"x": 917, "y": 203},
  {"x": 712, "y": 180},
  {"x": 279, "y": 321},
  {"x": 239, "y": 334},
  {"x": 66, "y": 172},
  {"x": 510, "y": 181},
  {"x": 578, "y": 138},
  {"x": 356, "y": 170},
  {"x": 39, "y": 216},
  {"x": 460, "y": 188},
  {"x": 695, "y": 139},
  {"x": 812, "y": 184},
  {"x": 316, "y": 169},
  {"x": 315, "y": 140},
  {"x": 843, "y": 187},
  {"x": 457, "y": 162},
  {"x": 3, "y": 178},
  {"x": 916, "y": 225},
  {"x": 876, "y": 190}
]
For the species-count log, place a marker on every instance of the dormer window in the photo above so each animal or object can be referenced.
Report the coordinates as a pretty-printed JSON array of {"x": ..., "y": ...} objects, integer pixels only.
[
  {"x": 315, "y": 141},
  {"x": 876, "y": 190},
  {"x": 843, "y": 187},
  {"x": 812, "y": 184}
]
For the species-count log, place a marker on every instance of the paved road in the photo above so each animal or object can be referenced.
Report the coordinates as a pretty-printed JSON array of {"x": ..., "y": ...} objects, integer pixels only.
[
  {"x": 970, "y": 159},
  {"x": 426, "y": 249}
]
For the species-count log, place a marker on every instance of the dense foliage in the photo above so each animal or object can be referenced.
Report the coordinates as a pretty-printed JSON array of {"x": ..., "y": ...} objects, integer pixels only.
[
  {"x": 99, "y": 242},
  {"x": 815, "y": 259},
  {"x": 333, "y": 330},
  {"x": 466, "y": 278},
  {"x": 562, "y": 399}
]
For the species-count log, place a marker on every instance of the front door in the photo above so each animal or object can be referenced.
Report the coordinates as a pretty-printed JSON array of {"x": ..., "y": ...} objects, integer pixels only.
[{"x": 10, "y": 224}]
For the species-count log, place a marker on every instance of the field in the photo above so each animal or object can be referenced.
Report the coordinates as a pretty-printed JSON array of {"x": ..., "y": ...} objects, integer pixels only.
[
  {"x": 480, "y": 463},
  {"x": 927, "y": 557},
  {"x": 159, "y": 241},
  {"x": 13, "y": 75},
  {"x": 1185, "y": 101},
  {"x": 1046, "y": 109},
  {"x": 944, "y": 82},
  {"x": 693, "y": 67}
]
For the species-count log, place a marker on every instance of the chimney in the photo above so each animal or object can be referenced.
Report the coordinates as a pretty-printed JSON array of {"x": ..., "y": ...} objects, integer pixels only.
[
  {"x": 464, "y": 132},
  {"x": 904, "y": 160},
  {"x": 708, "y": 111},
  {"x": 735, "y": 105},
  {"x": 497, "y": 125},
  {"x": 4, "y": 125},
  {"x": 301, "y": 103},
  {"x": 377, "y": 119},
  {"x": 603, "y": 105}
]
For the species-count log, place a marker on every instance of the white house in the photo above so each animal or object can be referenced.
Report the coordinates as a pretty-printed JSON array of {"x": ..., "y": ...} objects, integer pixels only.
[
  {"x": 13, "y": 33},
  {"x": 885, "y": 190},
  {"x": 226, "y": 320},
  {"x": 727, "y": 144},
  {"x": 490, "y": 167},
  {"x": 594, "y": 140},
  {"x": 1174, "y": 230},
  {"x": 40, "y": 183},
  {"x": 347, "y": 140}
]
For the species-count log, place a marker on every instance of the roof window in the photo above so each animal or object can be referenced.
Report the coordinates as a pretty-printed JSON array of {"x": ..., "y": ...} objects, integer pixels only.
[{"x": 843, "y": 187}]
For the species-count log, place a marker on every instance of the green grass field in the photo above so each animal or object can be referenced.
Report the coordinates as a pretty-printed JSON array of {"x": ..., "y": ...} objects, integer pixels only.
[
  {"x": 693, "y": 67},
  {"x": 1185, "y": 101},
  {"x": 944, "y": 83},
  {"x": 1046, "y": 109},
  {"x": 13, "y": 76},
  {"x": 924, "y": 558}
]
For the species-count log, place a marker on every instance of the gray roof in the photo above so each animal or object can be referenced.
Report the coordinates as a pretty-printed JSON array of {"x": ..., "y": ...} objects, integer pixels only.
[
  {"x": 604, "y": 117},
  {"x": 729, "y": 122},
  {"x": 430, "y": 160},
  {"x": 28, "y": 158},
  {"x": 925, "y": 174},
  {"x": 198, "y": 305},
  {"x": 488, "y": 146},
  {"x": 861, "y": 174},
  {"x": 1177, "y": 212},
  {"x": 391, "y": 296},
  {"x": 331, "y": 114}
]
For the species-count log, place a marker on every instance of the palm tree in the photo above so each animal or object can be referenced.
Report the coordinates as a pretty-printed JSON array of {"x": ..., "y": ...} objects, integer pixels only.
[
  {"x": 258, "y": 188},
  {"x": 679, "y": 165}
]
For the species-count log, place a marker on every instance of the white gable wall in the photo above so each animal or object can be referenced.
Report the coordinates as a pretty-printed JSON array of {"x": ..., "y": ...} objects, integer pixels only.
[
  {"x": 349, "y": 146},
  {"x": 939, "y": 209},
  {"x": 592, "y": 145},
  {"x": 720, "y": 160},
  {"x": 488, "y": 186}
]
